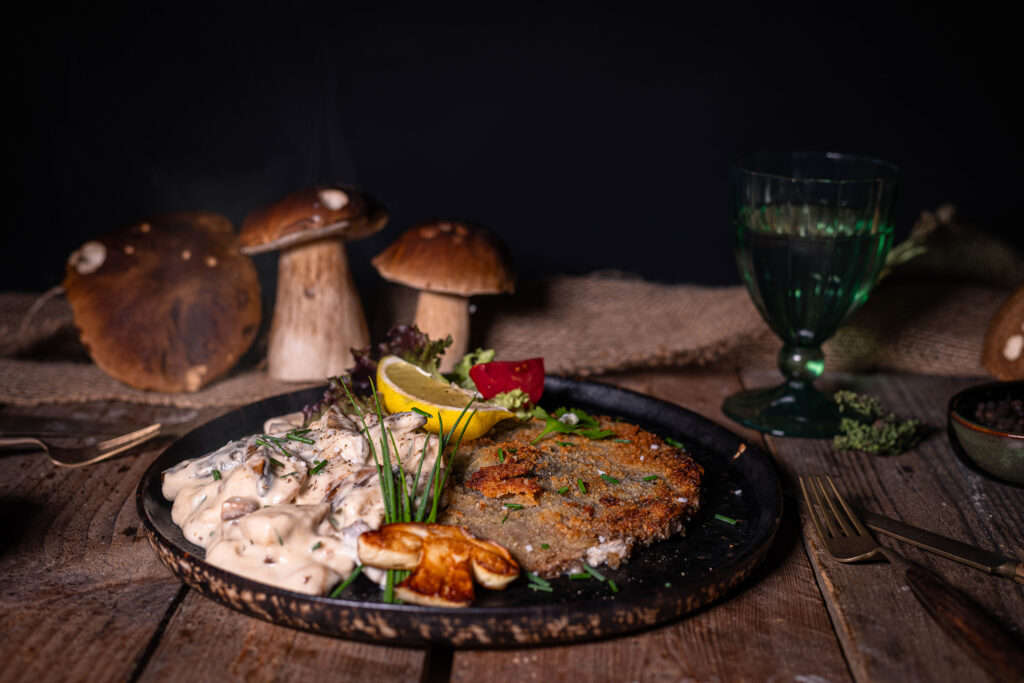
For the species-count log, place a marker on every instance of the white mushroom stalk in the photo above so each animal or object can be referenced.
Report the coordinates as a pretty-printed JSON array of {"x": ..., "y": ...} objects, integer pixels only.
[
  {"x": 438, "y": 315},
  {"x": 318, "y": 317}
]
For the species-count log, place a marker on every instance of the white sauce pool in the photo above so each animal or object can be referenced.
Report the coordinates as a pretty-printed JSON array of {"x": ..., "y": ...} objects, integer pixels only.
[{"x": 289, "y": 515}]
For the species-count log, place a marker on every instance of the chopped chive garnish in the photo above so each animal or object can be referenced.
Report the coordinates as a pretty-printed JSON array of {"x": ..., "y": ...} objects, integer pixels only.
[
  {"x": 593, "y": 572},
  {"x": 319, "y": 466},
  {"x": 610, "y": 479},
  {"x": 419, "y": 411},
  {"x": 505, "y": 517},
  {"x": 290, "y": 474},
  {"x": 512, "y": 450},
  {"x": 276, "y": 463},
  {"x": 564, "y": 443},
  {"x": 280, "y": 540},
  {"x": 651, "y": 477},
  {"x": 344, "y": 584},
  {"x": 622, "y": 441},
  {"x": 537, "y": 580},
  {"x": 264, "y": 443},
  {"x": 579, "y": 575},
  {"x": 564, "y": 490},
  {"x": 334, "y": 522},
  {"x": 723, "y": 518},
  {"x": 501, "y": 455},
  {"x": 545, "y": 546},
  {"x": 318, "y": 544},
  {"x": 581, "y": 486},
  {"x": 300, "y": 439},
  {"x": 672, "y": 442},
  {"x": 513, "y": 506},
  {"x": 216, "y": 475},
  {"x": 611, "y": 584}
]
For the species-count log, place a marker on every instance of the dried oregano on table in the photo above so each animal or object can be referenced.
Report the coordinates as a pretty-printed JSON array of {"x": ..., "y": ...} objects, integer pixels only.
[{"x": 867, "y": 426}]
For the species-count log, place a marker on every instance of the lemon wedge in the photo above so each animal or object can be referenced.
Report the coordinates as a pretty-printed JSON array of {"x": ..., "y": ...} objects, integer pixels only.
[{"x": 403, "y": 386}]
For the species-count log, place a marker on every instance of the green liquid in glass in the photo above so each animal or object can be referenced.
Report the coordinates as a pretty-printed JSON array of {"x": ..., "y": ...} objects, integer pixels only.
[
  {"x": 805, "y": 285},
  {"x": 807, "y": 268}
]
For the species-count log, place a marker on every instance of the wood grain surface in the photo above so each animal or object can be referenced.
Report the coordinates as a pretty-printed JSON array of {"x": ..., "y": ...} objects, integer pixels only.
[
  {"x": 83, "y": 597},
  {"x": 885, "y": 633}
]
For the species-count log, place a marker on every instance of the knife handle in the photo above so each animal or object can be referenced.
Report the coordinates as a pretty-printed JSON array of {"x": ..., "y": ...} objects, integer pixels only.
[{"x": 994, "y": 648}]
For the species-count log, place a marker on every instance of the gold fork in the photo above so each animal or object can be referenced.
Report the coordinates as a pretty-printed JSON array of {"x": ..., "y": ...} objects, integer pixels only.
[
  {"x": 847, "y": 540},
  {"x": 85, "y": 455}
]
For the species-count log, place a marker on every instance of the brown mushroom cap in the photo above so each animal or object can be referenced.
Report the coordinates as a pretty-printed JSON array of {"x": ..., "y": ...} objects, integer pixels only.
[
  {"x": 167, "y": 304},
  {"x": 1002, "y": 353},
  {"x": 448, "y": 257},
  {"x": 309, "y": 214}
]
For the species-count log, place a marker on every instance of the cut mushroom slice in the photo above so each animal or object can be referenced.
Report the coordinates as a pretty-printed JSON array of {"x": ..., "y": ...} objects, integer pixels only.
[
  {"x": 447, "y": 262},
  {"x": 318, "y": 317},
  {"x": 444, "y": 561}
]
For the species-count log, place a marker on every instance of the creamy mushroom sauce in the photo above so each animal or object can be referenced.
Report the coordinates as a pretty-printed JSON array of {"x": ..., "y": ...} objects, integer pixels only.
[{"x": 282, "y": 519}]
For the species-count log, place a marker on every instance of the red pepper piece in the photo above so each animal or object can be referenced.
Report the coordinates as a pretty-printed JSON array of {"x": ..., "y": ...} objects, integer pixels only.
[{"x": 500, "y": 376}]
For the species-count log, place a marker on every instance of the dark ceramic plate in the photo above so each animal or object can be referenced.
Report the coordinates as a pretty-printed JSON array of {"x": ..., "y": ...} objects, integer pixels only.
[{"x": 660, "y": 583}]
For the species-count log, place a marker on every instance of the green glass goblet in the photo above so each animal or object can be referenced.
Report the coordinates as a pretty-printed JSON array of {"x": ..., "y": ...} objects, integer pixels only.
[{"x": 810, "y": 233}]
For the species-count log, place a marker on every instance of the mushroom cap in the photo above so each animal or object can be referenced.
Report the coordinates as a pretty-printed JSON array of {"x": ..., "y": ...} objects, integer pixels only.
[
  {"x": 1002, "y": 353},
  {"x": 167, "y": 304},
  {"x": 309, "y": 214},
  {"x": 448, "y": 257}
]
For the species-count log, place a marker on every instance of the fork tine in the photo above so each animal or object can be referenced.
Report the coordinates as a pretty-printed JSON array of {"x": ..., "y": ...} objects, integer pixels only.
[
  {"x": 810, "y": 510},
  {"x": 131, "y": 437},
  {"x": 849, "y": 513},
  {"x": 832, "y": 506},
  {"x": 823, "y": 511}
]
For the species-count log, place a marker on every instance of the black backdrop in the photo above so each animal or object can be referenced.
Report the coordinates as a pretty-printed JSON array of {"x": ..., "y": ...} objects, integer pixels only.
[{"x": 587, "y": 138}]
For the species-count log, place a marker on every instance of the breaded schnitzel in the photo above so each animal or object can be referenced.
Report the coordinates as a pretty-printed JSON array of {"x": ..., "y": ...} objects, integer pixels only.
[{"x": 568, "y": 498}]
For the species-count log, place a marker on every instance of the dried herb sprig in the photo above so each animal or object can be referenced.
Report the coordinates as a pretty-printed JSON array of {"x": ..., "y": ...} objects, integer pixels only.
[{"x": 867, "y": 426}]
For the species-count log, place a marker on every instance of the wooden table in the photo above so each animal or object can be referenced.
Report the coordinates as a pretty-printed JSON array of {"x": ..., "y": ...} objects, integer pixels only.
[{"x": 84, "y": 597}]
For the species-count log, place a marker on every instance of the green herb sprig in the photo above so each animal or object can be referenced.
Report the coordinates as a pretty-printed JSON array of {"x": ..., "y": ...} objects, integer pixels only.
[
  {"x": 578, "y": 422},
  {"x": 399, "y": 506},
  {"x": 867, "y": 426}
]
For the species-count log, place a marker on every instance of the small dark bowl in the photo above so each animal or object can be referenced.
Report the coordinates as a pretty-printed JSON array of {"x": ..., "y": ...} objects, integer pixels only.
[{"x": 997, "y": 452}]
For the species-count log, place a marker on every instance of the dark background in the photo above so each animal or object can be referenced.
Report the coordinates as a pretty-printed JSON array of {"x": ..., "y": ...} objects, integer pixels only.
[{"x": 586, "y": 138}]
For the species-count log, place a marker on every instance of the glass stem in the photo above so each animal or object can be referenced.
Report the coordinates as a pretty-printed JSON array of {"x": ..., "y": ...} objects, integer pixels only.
[{"x": 801, "y": 365}]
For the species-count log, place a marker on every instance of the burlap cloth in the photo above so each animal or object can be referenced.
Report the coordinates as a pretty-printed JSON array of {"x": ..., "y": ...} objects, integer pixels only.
[{"x": 928, "y": 316}]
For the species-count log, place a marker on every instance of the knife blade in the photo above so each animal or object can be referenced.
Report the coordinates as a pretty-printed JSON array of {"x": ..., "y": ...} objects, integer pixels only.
[{"x": 972, "y": 556}]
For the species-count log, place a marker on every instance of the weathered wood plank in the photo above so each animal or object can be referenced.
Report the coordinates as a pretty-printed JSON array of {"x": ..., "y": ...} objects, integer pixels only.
[
  {"x": 84, "y": 597},
  {"x": 82, "y": 592},
  {"x": 775, "y": 627},
  {"x": 886, "y": 634},
  {"x": 218, "y": 644}
]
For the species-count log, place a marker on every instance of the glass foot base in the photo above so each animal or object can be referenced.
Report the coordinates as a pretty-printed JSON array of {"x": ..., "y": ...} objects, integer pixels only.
[{"x": 790, "y": 409}]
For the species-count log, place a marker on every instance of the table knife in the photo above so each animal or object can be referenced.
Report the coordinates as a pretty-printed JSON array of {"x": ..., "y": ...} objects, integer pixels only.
[{"x": 985, "y": 560}]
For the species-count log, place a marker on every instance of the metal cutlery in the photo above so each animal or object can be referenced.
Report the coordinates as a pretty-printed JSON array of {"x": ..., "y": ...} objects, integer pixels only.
[
  {"x": 847, "y": 540},
  {"x": 985, "y": 560},
  {"x": 84, "y": 455}
]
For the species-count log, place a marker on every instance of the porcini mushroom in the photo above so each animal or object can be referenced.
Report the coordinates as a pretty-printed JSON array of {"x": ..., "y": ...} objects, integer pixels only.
[
  {"x": 443, "y": 559},
  {"x": 1002, "y": 353},
  {"x": 447, "y": 262},
  {"x": 167, "y": 304},
  {"x": 318, "y": 317}
]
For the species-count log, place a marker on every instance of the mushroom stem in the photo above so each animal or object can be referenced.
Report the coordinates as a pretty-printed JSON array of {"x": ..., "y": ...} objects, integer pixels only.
[
  {"x": 438, "y": 315},
  {"x": 318, "y": 317}
]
